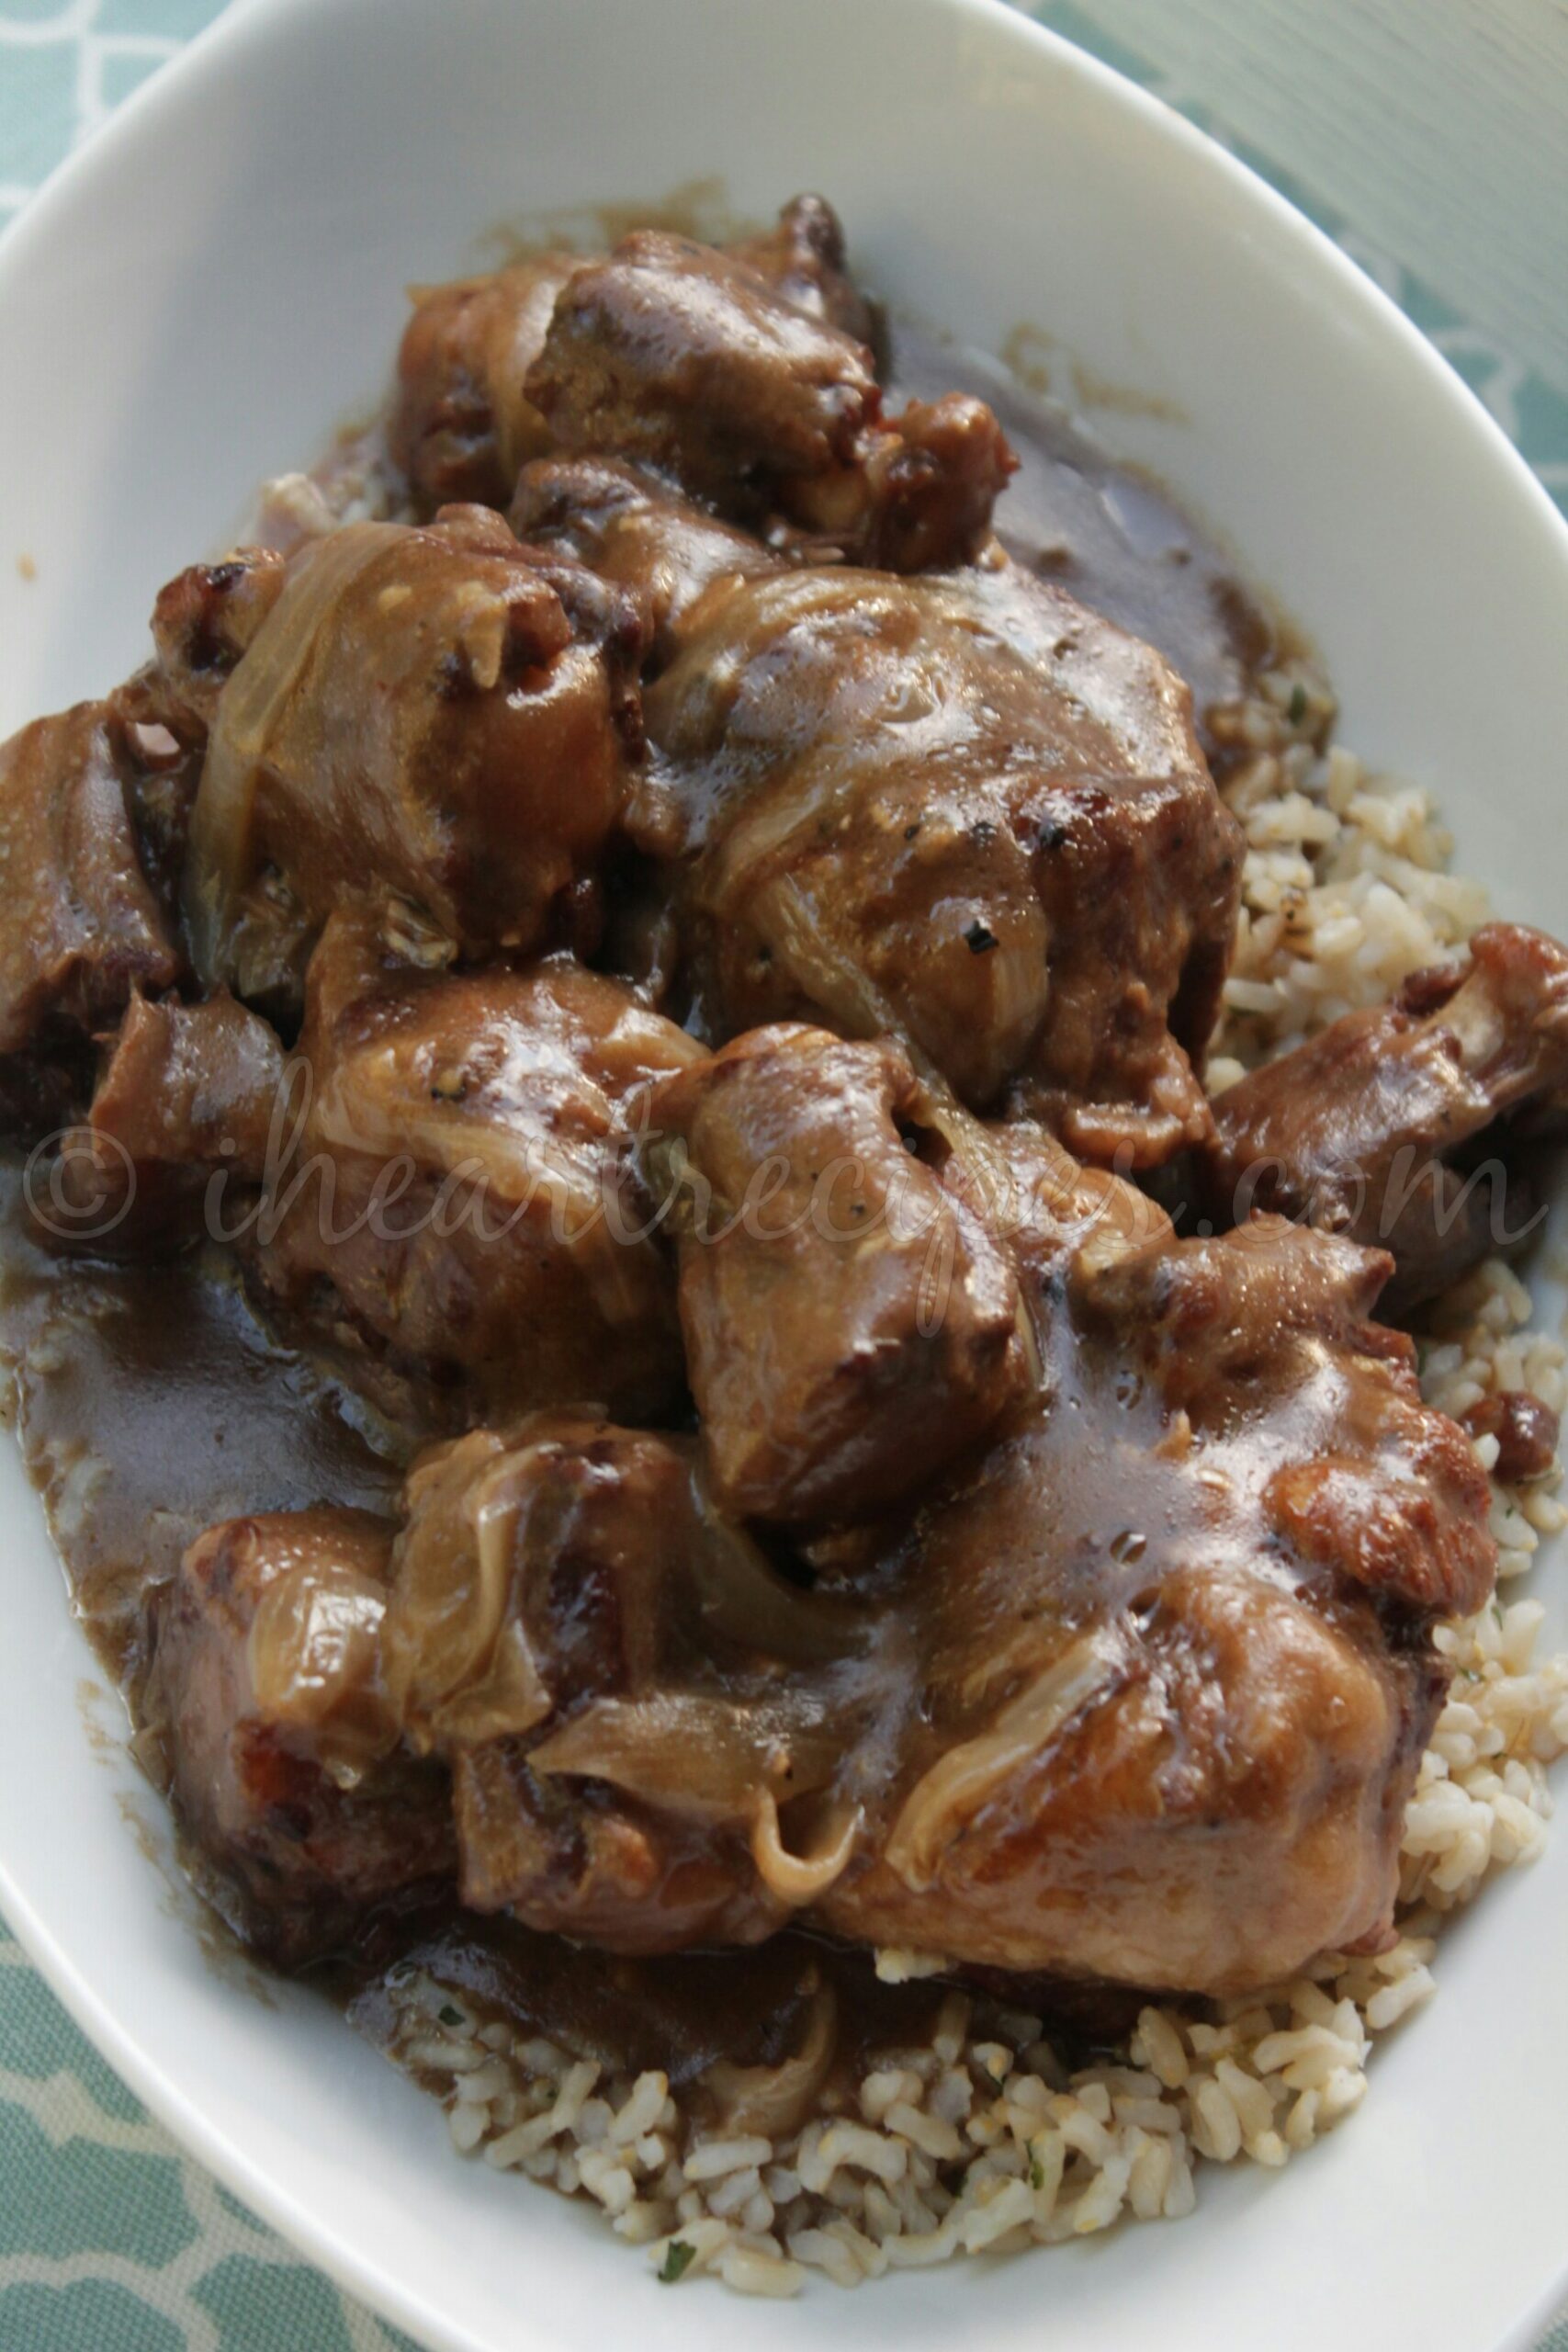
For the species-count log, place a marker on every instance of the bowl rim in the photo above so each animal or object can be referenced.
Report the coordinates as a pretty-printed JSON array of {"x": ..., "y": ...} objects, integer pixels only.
[{"x": 219, "y": 50}]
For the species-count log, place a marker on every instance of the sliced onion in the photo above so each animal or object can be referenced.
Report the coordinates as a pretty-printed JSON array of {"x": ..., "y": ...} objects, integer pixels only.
[
  {"x": 776, "y": 2100},
  {"x": 712, "y": 1758},
  {"x": 314, "y": 1654},
  {"x": 823, "y": 968},
  {"x": 252, "y": 708},
  {"x": 458, "y": 1659},
  {"x": 747, "y": 1603},
  {"x": 799, "y": 1879},
  {"x": 949, "y": 1794}
]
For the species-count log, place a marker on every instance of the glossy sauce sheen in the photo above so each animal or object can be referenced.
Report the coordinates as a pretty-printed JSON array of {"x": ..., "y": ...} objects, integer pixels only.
[
  {"x": 151, "y": 1401},
  {"x": 1108, "y": 534}
]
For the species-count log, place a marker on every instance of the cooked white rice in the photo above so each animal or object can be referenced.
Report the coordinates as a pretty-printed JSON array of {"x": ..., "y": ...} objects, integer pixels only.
[{"x": 979, "y": 2139}]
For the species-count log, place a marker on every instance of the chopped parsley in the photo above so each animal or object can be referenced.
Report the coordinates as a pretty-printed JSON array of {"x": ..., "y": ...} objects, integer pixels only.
[
  {"x": 978, "y": 939},
  {"x": 1296, "y": 709},
  {"x": 678, "y": 2259},
  {"x": 449, "y": 2015},
  {"x": 1036, "y": 2172}
]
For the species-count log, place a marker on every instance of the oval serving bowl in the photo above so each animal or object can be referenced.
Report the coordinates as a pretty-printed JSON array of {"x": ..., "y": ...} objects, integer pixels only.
[{"x": 193, "y": 305}]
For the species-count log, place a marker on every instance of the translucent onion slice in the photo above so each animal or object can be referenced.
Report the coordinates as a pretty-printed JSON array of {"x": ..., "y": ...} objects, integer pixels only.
[
  {"x": 253, "y": 705},
  {"x": 746, "y": 1602},
  {"x": 460, "y": 1663},
  {"x": 801, "y": 1879},
  {"x": 712, "y": 1758},
  {"x": 776, "y": 2100},
  {"x": 314, "y": 1654},
  {"x": 949, "y": 1794}
]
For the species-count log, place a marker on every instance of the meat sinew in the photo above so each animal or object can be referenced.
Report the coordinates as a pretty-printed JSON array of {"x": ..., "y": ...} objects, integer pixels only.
[{"x": 1401, "y": 1126}]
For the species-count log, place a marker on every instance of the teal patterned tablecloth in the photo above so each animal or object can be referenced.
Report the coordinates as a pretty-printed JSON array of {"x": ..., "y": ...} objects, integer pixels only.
[{"x": 110, "y": 2239}]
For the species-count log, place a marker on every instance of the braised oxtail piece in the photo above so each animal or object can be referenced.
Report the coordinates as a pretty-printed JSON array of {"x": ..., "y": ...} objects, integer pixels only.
[
  {"x": 438, "y": 712},
  {"x": 963, "y": 810},
  {"x": 84, "y": 926},
  {"x": 803, "y": 257},
  {"x": 1406, "y": 1126},
  {"x": 461, "y": 422},
  {"x": 808, "y": 1214},
  {"x": 461, "y": 1205},
  {"x": 301, "y": 1811},
  {"x": 631, "y": 1699},
  {"x": 184, "y": 1091},
  {"x": 689, "y": 359},
  {"x": 1175, "y": 1673},
  {"x": 631, "y": 529}
]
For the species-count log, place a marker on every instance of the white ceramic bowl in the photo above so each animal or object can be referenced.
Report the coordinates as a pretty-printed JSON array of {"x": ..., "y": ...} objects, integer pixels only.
[{"x": 213, "y": 283}]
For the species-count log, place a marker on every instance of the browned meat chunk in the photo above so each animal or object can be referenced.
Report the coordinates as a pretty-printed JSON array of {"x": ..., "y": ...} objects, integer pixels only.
[
  {"x": 287, "y": 1775},
  {"x": 850, "y": 1326},
  {"x": 802, "y": 255},
  {"x": 625, "y": 525},
  {"x": 460, "y": 1193},
  {"x": 83, "y": 926},
  {"x": 438, "y": 711},
  {"x": 918, "y": 496},
  {"x": 1175, "y": 1675},
  {"x": 186, "y": 1089},
  {"x": 1393, "y": 1126},
  {"x": 683, "y": 357},
  {"x": 191, "y": 1083},
  {"x": 963, "y": 810},
  {"x": 205, "y": 620},
  {"x": 688, "y": 359},
  {"x": 462, "y": 424},
  {"x": 616, "y": 1678}
]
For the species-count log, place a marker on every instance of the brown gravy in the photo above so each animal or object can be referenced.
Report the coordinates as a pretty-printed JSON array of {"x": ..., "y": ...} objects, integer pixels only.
[
  {"x": 151, "y": 1400},
  {"x": 1109, "y": 533}
]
